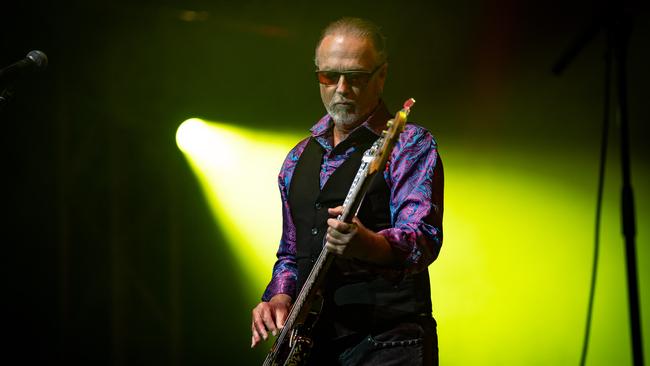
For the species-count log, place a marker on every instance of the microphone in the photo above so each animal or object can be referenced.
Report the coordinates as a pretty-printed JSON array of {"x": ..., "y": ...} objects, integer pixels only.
[{"x": 35, "y": 60}]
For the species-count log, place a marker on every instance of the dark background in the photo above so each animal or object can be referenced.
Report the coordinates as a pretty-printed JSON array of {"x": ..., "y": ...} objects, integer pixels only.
[{"x": 108, "y": 242}]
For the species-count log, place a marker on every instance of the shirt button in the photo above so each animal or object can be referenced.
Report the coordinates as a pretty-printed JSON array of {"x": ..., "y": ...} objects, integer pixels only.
[
  {"x": 314, "y": 231},
  {"x": 318, "y": 206}
]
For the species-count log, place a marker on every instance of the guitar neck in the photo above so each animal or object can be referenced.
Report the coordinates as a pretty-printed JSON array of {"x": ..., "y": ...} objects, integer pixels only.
[
  {"x": 321, "y": 266},
  {"x": 353, "y": 200}
]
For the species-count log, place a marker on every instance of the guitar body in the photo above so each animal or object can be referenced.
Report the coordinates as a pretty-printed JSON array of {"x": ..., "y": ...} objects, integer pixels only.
[
  {"x": 294, "y": 343},
  {"x": 299, "y": 353},
  {"x": 296, "y": 350}
]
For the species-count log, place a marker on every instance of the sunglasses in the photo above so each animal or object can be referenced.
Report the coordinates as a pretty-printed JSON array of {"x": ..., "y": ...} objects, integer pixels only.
[{"x": 354, "y": 78}]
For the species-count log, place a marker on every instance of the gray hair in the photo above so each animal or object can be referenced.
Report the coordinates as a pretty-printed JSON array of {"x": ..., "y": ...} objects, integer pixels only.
[{"x": 357, "y": 27}]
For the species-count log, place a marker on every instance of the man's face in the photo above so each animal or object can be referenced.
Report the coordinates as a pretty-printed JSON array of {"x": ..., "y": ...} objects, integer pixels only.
[{"x": 348, "y": 102}]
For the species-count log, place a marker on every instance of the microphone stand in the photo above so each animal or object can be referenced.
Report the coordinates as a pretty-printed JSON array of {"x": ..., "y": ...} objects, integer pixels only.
[
  {"x": 617, "y": 28},
  {"x": 5, "y": 95}
]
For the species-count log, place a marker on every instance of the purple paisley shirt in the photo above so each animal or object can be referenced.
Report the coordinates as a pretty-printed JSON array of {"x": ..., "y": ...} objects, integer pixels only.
[{"x": 415, "y": 179}]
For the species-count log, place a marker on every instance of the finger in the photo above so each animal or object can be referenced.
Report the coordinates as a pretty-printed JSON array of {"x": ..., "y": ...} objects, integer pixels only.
[
  {"x": 259, "y": 326},
  {"x": 256, "y": 336},
  {"x": 280, "y": 316},
  {"x": 332, "y": 233},
  {"x": 336, "y": 249},
  {"x": 255, "y": 339},
  {"x": 336, "y": 238},
  {"x": 340, "y": 229},
  {"x": 341, "y": 237},
  {"x": 340, "y": 225},
  {"x": 269, "y": 323},
  {"x": 335, "y": 211}
]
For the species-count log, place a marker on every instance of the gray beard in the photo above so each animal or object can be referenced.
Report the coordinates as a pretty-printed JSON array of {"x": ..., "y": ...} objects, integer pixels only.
[{"x": 342, "y": 116}]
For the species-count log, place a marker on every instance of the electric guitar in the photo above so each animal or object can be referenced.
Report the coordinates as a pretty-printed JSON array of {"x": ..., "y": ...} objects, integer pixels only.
[{"x": 293, "y": 344}]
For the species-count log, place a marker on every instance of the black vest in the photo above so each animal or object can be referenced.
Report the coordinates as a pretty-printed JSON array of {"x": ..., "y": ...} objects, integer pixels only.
[{"x": 354, "y": 292}]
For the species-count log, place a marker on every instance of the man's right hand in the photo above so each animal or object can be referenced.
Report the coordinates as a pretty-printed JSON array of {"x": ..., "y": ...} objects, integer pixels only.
[{"x": 269, "y": 317}]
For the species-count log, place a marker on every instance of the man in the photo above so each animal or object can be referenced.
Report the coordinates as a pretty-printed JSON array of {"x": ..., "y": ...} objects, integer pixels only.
[{"x": 377, "y": 302}]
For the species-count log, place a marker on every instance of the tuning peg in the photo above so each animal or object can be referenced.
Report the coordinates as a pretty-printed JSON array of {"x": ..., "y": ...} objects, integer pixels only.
[
  {"x": 384, "y": 133},
  {"x": 389, "y": 123}
]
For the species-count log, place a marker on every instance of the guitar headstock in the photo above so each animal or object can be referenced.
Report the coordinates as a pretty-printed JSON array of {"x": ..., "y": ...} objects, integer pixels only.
[{"x": 389, "y": 136}]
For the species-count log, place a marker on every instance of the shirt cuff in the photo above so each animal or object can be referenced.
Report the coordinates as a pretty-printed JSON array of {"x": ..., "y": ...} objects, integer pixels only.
[
  {"x": 282, "y": 283},
  {"x": 414, "y": 249}
]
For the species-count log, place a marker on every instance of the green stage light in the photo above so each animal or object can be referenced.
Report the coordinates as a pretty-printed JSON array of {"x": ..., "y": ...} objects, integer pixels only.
[{"x": 238, "y": 171}]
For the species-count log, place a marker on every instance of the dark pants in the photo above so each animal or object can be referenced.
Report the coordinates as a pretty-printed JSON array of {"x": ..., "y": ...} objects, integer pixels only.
[{"x": 407, "y": 343}]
